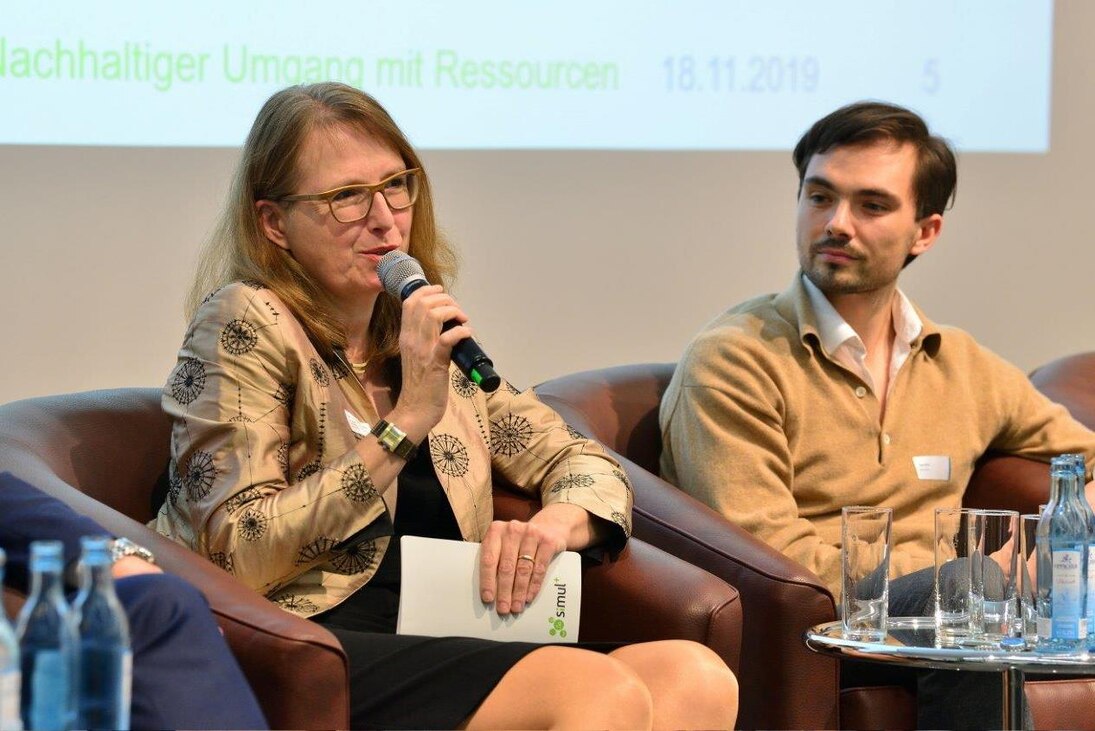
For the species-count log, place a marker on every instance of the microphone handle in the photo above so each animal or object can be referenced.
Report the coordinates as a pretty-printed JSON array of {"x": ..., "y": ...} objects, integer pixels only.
[{"x": 466, "y": 354}]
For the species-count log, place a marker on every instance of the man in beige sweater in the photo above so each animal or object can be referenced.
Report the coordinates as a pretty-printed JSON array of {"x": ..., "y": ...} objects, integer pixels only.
[{"x": 839, "y": 391}]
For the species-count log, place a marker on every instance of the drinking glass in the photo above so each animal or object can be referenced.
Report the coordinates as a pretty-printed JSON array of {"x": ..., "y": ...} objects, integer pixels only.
[
  {"x": 994, "y": 543},
  {"x": 1028, "y": 586},
  {"x": 952, "y": 575},
  {"x": 864, "y": 571}
]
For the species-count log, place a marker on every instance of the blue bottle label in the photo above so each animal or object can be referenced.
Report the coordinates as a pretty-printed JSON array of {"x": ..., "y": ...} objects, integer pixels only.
[
  {"x": 1090, "y": 584},
  {"x": 1069, "y": 622},
  {"x": 50, "y": 699}
]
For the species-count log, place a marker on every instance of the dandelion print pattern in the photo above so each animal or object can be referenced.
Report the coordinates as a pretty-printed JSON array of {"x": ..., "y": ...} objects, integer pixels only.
[
  {"x": 449, "y": 455},
  {"x": 572, "y": 481},
  {"x": 462, "y": 385},
  {"x": 308, "y": 470},
  {"x": 510, "y": 435},
  {"x": 355, "y": 559},
  {"x": 285, "y": 394},
  {"x": 199, "y": 477},
  {"x": 319, "y": 372},
  {"x": 621, "y": 520},
  {"x": 357, "y": 485},
  {"x": 622, "y": 477},
  {"x": 252, "y": 525},
  {"x": 283, "y": 459},
  {"x": 224, "y": 561},
  {"x": 240, "y": 499},
  {"x": 296, "y": 604},
  {"x": 239, "y": 337},
  {"x": 188, "y": 382},
  {"x": 315, "y": 550},
  {"x": 174, "y": 483}
]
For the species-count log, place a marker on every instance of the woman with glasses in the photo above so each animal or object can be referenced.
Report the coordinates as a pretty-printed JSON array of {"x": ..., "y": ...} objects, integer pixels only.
[{"x": 317, "y": 420}]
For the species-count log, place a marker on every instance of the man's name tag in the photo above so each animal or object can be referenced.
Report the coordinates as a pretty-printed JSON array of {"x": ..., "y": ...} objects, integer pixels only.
[
  {"x": 933, "y": 467},
  {"x": 357, "y": 426}
]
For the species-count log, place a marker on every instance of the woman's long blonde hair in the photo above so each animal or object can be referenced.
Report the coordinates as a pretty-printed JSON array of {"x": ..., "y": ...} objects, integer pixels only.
[{"x": 267, "y": 170}]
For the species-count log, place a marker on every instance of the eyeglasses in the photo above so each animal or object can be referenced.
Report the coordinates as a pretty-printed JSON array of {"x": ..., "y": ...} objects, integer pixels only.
[{"x": 353, "y": 202}]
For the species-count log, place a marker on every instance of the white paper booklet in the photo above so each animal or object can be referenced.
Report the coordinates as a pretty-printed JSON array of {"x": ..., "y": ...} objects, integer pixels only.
[{"x": 439, "y": 596}]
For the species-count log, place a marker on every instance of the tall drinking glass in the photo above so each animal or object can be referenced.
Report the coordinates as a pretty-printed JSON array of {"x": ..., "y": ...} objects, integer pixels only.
[
  {"x": 1028, "y": 575},
  {"x": 952, "y": 575},
  {"x": 993, "y": 561},
  {"x": 864, "y": 571}
]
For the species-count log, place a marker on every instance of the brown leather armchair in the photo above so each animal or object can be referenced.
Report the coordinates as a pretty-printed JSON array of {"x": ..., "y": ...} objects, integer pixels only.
[
  {"x": 783, "y": 685},
  {"x": 102, "y": 452}
]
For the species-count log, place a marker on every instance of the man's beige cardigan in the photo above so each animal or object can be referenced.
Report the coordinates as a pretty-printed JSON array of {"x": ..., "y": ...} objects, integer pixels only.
[{"x": 762, "y": 425}]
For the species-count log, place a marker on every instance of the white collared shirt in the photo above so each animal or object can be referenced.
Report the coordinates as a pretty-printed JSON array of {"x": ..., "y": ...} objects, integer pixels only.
[{"x": 844, "y": 345}]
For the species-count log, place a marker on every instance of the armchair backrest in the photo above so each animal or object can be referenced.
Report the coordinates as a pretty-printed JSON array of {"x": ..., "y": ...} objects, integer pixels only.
[
  {"x": 109, "y": 445},
  {"x": 619, "y": 406},
  {"x": 1070, "y": 381},
  {"x": 1014, "y": 483}
]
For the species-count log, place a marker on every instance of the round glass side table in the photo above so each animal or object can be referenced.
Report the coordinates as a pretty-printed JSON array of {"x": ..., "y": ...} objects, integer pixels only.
[{"x": 911, "y": 641}]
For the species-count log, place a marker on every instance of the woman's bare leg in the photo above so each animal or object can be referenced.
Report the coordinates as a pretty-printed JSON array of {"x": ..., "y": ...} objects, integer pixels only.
[{"x": 566, "y": 687}]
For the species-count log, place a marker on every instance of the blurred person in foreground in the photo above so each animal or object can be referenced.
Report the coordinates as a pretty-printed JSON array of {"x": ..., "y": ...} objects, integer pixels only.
[
  {"x": 184, "y": 675},
  {"x": 317, "y": 420}
]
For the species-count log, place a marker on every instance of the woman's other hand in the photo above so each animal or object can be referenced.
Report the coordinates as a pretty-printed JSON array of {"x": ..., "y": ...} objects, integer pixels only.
[
  {"x": 425, "y": 352},
  {"x": 514, "y": 556},
  {"x": 513, "y": 561}
]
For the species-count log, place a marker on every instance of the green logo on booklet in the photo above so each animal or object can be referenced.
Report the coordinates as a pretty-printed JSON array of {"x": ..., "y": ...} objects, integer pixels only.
[{"x": 558, "y": 621}]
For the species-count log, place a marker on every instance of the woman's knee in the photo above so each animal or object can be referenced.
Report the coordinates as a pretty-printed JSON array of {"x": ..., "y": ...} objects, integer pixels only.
[
  {"x": 688, "y": 681},
  {"x": 559, "y": 687},
  {"x": 600, "y": 689}
]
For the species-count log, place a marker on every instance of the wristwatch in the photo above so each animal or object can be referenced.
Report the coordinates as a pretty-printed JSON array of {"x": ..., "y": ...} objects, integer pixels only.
[
  {"x": 122, "y": 547},
  {"x": 394, "y": 440}
]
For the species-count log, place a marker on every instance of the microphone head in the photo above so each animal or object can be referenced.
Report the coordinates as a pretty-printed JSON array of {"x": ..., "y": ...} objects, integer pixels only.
[{"x": 396, "y": 270}]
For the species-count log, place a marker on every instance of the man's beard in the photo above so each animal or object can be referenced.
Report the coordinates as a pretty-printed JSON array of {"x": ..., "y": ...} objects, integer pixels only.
[{"x": 826, "y": 276}]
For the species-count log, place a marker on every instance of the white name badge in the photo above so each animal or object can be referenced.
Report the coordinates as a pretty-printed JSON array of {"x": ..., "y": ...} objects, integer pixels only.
[
  {"x": 933, "y": 467},
  {"x": 357, "y": 426}
]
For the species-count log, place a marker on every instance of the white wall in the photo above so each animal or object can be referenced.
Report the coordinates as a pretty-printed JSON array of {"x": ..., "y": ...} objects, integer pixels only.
[{"x": 572, "y": 260}]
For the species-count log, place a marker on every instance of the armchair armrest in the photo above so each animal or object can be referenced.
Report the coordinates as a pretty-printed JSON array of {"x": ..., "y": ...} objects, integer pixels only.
[
  {"x": 780, "y": 596},
  {"x": 1004, "y": 482}
]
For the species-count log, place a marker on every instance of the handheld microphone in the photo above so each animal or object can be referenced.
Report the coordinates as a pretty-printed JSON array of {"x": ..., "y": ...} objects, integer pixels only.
[{"x": 401, "y": 275}]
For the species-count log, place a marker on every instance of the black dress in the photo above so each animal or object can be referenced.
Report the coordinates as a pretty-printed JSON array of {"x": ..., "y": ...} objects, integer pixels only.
[{"x": 406, "y": 681}]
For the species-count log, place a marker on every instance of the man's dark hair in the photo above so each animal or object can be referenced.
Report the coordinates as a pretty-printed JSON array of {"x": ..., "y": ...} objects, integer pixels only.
[{"x": 936, "y": 175}]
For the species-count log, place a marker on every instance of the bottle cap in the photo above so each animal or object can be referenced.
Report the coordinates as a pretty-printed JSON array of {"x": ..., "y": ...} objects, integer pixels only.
[{"x": 46, "y": 555}]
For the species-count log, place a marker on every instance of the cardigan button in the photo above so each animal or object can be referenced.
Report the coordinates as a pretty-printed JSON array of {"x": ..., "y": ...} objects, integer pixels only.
[
  {"x": 860, "y": 391},
  {"x": 886, "y": 439}
]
